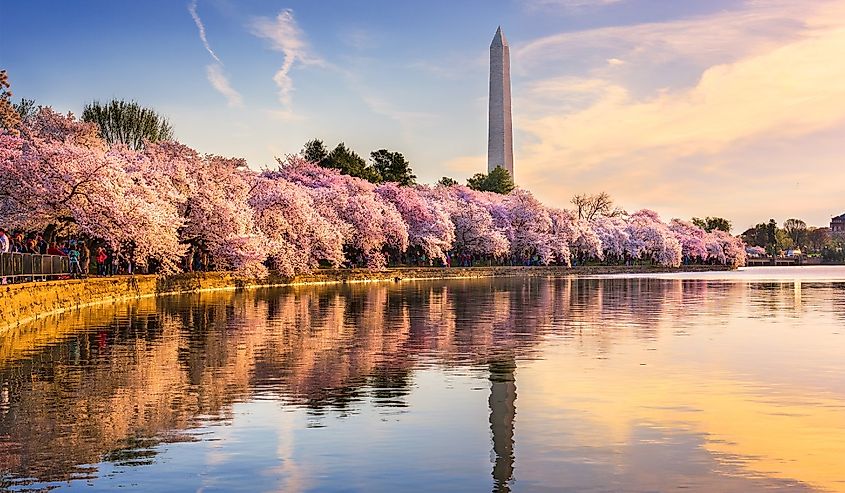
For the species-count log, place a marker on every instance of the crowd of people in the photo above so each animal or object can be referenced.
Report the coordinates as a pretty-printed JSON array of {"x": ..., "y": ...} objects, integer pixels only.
[
  {"x": 89, "y": 257},
  {"x": 84, "y": 257}
]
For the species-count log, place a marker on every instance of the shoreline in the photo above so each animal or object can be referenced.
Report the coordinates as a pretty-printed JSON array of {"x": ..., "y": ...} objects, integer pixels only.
[{"x": 27, "y": 302}]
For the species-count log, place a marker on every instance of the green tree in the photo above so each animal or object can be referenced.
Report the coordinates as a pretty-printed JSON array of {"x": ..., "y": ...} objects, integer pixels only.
[
  {"x": 818, "y": 238},
  {"x": 392, "y": 166},
  {"x": 127, "y": 122},
  {"x": 27, "y": 108},
  {"x": 756, "y": 236},
  {"x": 711, "y": 223},
  {"x": 350, "y": 163},
  {"x": 771, "y": 233},
  {"x": 447, "y": 182},
  {"x": 499, "y": 181},
  {"x": 314, "y": 151},
  {"x": 783, "y": 242},
  {"x": 796, "y": 229}
]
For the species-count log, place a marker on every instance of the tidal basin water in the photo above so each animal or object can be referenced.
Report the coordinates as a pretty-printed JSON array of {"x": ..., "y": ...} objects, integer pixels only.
[{"x": 728, "y": 382}]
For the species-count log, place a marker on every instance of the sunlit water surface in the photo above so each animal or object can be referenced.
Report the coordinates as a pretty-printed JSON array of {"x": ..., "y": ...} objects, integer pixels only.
[{"x": 728, "y": 382}]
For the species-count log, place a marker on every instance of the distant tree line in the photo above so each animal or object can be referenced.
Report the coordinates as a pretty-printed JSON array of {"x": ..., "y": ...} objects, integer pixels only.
[
  {"x": 389, "y": 166},
  {"x": 795, "y": 234}
]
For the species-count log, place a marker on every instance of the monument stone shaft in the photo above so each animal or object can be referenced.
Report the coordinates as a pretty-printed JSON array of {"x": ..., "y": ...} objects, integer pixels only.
[{"x": 500, "y": 129}]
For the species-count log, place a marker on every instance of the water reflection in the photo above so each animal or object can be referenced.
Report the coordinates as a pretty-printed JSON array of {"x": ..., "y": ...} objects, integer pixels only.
[
  {"x": 626, "y": 384},
  {"x": 502, "y": 413}
]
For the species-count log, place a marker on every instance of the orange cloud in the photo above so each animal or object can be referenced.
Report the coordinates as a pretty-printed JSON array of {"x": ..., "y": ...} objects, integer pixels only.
[{"x": 598, "y": 131}]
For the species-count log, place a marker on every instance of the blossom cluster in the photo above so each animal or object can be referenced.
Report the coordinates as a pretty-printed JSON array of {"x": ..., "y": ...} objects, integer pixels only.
[{"x": 161, "y": 198}]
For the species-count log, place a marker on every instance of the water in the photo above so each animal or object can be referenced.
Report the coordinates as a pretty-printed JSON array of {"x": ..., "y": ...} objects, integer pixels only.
[{"x": 729, "y": 382}]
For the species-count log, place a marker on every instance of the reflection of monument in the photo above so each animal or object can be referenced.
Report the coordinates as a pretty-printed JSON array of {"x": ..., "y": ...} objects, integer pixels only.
[
  {"x": 500, "y": 129},
  {"x": 502, "y": 413}
]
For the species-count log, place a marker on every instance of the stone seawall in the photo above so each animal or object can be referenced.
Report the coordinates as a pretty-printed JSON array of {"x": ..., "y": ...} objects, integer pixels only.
[{"x": 21, "y": 303}]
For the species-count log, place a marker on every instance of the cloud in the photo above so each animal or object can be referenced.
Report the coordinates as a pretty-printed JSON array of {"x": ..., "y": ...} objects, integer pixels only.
[
  {"x": 192, "y": 8},
  {"x": 214, "y": 72},
  {"x": 690, "y": 43},
  {"x": 284, "y": 36},
  {"x": 756, "y": 78},
  {"x": 221, "y": 84}
]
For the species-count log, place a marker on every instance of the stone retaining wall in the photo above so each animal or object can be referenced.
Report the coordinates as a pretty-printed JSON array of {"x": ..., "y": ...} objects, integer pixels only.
[{"x": 21, "y": 303}]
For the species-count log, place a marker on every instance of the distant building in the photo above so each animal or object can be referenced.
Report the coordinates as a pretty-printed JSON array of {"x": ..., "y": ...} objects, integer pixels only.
[{"x": 837, "y": 224}]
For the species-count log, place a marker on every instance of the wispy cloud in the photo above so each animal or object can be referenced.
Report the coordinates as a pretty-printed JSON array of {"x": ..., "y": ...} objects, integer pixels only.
[
  {"x": 286, "y": 37},
  {"x": 192, "y": 8},
  {"x": 221, "y": 84},
  {"x": 214, "y": 71}
]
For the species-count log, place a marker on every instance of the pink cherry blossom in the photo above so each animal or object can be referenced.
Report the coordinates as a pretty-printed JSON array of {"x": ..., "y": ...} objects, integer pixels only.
[{"x": 429, "y": 226}]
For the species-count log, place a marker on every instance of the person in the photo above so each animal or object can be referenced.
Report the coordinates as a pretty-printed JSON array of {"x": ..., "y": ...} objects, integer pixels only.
[
  {"x": 54, "y": 249},
  {"x": 17, "y": 243},
  {"x": 73, "y": 254},
  {"x": 101, "y": 261},
  {"x": 5, "y": 244},
  {"x": 84, "y": 258},
  {"x": 4, "y": 247},
  {"x": 41, "y": 243}
]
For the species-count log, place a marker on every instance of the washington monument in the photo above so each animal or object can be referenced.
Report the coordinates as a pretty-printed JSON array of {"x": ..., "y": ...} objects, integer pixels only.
[{"x": 500, "y": 131}]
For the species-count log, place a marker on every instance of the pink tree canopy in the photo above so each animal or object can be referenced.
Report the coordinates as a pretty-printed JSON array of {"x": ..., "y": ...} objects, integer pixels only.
[{"x": 153, "y": 203}]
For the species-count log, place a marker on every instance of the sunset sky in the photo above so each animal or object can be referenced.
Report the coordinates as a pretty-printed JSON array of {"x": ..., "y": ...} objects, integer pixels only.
[{"x": 728, "y": 108}]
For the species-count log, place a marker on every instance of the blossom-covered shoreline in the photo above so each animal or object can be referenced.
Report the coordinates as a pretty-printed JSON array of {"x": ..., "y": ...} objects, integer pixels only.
[{"x": 157, "y": 201}]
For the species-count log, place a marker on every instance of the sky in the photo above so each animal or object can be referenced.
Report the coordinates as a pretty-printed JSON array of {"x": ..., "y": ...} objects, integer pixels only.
[{"x": 691, "y": 108}]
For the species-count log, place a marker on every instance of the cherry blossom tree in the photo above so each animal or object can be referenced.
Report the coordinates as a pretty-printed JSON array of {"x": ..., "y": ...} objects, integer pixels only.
[
  {"x": 370, "y": 224},
  {"x": 614, "y": 236},
  {"x": 429, "y": 226},
  {"x": 584, "y": 243},
  {"x": 651, "y": 239},
  {"x": 692, "y": 238},
  {"x": 297, "y": 237},
  {"x": 475, "y": 232},
  {"x": 212, "y": 194},
  {"x": 530, "y": 230},
  {"x": 60, "y": 174},
  {"x": 733, "y": 248}
]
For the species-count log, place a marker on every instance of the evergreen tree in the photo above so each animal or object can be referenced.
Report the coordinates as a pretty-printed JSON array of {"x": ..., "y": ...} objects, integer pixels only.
[
  {"x": 350, "y": 163},
  {"x": 499, "y": 181},
  {"x": 447, "y": 182},
  {"x": 712, "y": 223},
  {"x": 393, "y": 167},
  {"x": 314, "y": 151}
]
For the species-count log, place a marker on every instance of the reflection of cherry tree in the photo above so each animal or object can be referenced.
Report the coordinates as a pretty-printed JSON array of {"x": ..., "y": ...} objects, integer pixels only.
[{"x": 160, "y": 363}]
